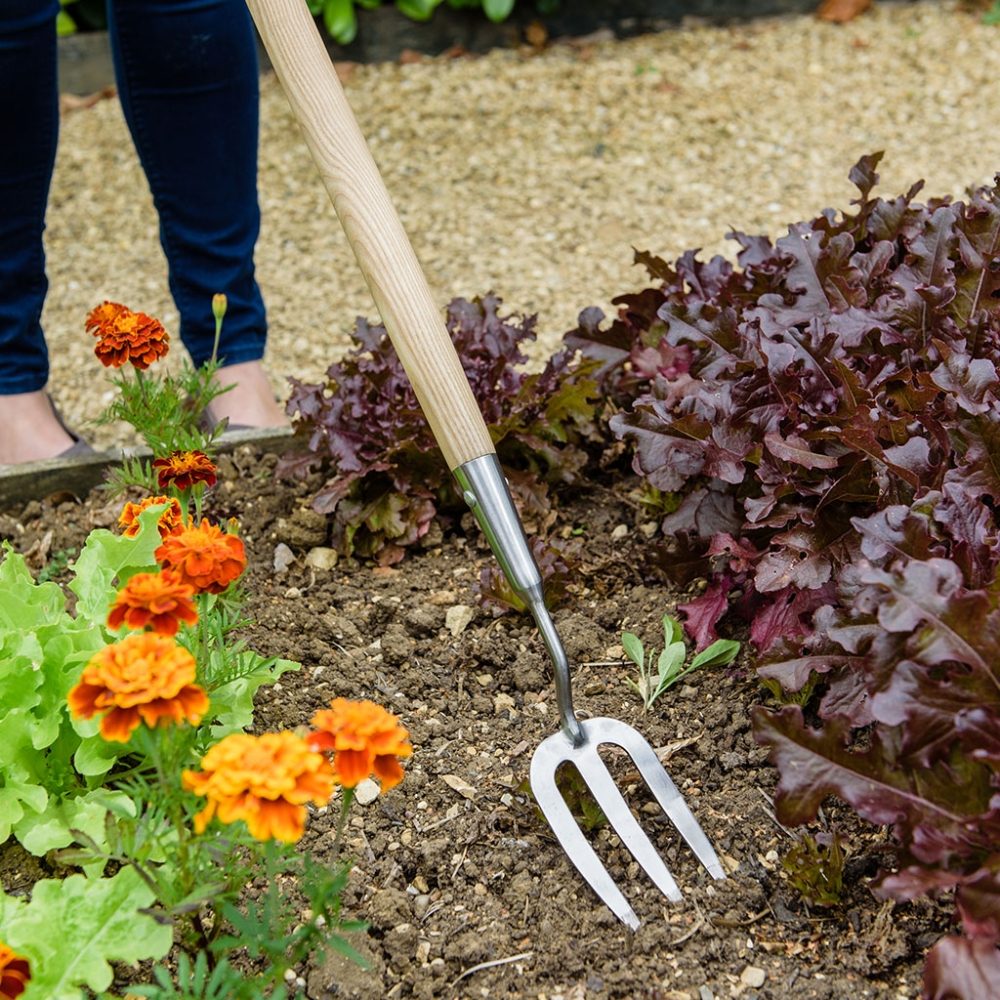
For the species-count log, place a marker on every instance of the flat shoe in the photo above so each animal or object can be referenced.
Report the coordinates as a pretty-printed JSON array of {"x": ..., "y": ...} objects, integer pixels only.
[
  {"x": 79, "y": 447},
  {"x": 208, "y": 423}
]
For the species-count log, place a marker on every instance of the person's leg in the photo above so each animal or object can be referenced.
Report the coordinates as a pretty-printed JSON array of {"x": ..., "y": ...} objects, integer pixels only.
[
  {"x": 29, "y": 121},
  {"x": 187, "y": 75}
]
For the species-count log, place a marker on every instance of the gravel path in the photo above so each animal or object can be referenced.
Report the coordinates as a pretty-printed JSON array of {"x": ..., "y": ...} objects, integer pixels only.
[{"x": 534, "y": 175}]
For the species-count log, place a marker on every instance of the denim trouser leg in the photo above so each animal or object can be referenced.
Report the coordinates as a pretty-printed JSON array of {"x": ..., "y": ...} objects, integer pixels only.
[
  {"x": 187, "y": 75},
  {"x": 29, "y": 126}
]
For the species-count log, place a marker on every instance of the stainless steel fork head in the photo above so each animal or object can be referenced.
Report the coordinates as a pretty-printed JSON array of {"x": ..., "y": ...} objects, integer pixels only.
[
  {"x": 486, "y": 492},
  {"x": 559, "y": 748}
]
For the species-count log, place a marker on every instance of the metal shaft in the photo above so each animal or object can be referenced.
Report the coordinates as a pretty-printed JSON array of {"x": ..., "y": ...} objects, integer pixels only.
[{"x": 485, "y": 490}]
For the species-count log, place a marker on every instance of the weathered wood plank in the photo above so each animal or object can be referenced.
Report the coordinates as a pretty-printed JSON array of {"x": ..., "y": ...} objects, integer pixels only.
[{"x": 79, "y": 475}]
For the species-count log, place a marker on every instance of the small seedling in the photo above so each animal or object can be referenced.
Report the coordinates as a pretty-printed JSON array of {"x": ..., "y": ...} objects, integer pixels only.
[
  {"x": 577, "y": 796},
  {"x": 802, "y": 697},
  {"x": 815, "y": 867},
  {"x": 58, "y": 563},
  {"x": 671, "y": 665}
]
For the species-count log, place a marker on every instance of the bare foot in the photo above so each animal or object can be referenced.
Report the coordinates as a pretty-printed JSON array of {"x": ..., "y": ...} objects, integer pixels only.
[
  {"x": 251, "y": 401},
  {"x": 29, "y": 430}
]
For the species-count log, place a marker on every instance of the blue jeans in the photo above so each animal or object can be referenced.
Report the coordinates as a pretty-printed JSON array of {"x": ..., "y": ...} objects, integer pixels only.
[{"x": 187, "y": 77}]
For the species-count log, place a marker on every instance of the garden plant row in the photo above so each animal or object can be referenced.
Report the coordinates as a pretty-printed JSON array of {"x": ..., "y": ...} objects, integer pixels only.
[
  {"x": 819, "y": 426},
  {"x": 816, "y": 428}
]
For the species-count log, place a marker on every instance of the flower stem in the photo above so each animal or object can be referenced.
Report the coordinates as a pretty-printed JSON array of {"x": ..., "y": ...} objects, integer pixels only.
[{"x": 345, "y": 807}]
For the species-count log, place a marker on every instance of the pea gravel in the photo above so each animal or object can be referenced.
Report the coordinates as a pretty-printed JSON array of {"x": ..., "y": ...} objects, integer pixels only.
[{"x": 534, "y": 174}]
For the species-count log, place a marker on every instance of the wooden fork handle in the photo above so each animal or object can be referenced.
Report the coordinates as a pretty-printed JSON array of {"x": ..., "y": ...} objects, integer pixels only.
[{"x": 395, "y": 278}]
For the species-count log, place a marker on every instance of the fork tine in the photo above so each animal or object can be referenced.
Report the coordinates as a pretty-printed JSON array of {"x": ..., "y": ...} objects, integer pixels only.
[
  {"x": 615, "y": 808},
  {"x": 665, "y": 791},
  {"x": 550, "y": 753}
]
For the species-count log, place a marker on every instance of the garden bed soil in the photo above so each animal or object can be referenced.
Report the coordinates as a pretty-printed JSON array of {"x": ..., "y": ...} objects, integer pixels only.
[{"x": 464, "y": 888}]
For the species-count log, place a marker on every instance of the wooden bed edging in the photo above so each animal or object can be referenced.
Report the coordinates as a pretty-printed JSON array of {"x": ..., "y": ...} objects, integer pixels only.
[{"x": 77, "y": 476}]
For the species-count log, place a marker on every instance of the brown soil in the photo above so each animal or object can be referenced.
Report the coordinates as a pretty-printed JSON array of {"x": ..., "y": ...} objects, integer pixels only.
[{"x": 455, "y": 869}]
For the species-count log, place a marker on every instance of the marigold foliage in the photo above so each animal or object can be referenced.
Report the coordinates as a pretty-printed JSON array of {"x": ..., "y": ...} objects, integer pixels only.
[
  {"x": 15, "y": 972},
  {"x": 183, "y": 469},
  {"x": 204, "y": 555},
  {"x": 143, "y": 678},
  {"x": 160, "y": 601},
  {"x": 126, "y": 337},
  {"x": 265, "y": 781},
  {"x": 364, "y": 738}
]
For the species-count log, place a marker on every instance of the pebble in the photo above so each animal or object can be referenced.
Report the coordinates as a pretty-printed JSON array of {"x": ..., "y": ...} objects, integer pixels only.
[
  {"x": 457, "y": 618},
  {"x": 283, "y": 558},
  {"x": 753, "y": 976},
  {"x": 322, "y": 558},
  {"x": 691, "y": 116},
  {"x": 366, "y": 792}
]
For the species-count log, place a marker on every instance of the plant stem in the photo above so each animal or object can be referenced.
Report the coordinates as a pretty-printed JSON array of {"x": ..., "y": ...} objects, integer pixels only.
[
  {"x": 215, "y": 343},
  {"x": 345, "y": 807},
  {"x": 140, "y": 381}
]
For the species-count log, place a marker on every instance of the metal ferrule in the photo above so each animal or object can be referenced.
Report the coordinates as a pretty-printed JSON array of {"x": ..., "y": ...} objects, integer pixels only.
[{"x": 485, "y": 490}]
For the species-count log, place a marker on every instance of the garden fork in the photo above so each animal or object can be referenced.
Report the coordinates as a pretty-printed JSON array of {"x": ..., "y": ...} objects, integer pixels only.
[{"x": 416, "y": 328}]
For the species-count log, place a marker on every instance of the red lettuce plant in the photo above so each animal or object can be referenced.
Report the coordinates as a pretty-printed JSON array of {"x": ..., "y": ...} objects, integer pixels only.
[
  {"x": 497, "y": 595},
  {"x": 387, "y": 479},
  {"x": 843, "y": 369},
  {"x": 834, "y": 436},
  {"x": 909, "y": 658}
]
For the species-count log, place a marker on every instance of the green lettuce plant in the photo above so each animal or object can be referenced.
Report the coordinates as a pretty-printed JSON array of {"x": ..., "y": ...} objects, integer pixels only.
[
  {"x": 72, "y": 928},
  {"x": 54, "y": 770}
]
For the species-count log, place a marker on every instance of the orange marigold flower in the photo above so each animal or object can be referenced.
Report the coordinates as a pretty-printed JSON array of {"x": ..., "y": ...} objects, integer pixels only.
[
  {"x": 264, "y": 780},
  {"x": 365, "y": 740},
  {"x": 171, "y": 518},
  {"x": 160, "y": 600},
  {"x": 185, "y": 468},
  {"x": 14, "y": 973},
  {"x": 104, "y": 318},
  {"x": 205, "y": 556},
  {"x": 145, "y": 677},
  {"x": 126, "y": 337}
]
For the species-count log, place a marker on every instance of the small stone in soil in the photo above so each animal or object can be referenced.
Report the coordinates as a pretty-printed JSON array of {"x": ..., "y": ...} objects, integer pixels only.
[
  {"x": 366, "y": 792},
  {"x": 283, "y": 558},
  {"x": 322, "y": 558},
  {"x": 753, "y": 977},
  {"x": 457, "y": 618}
]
